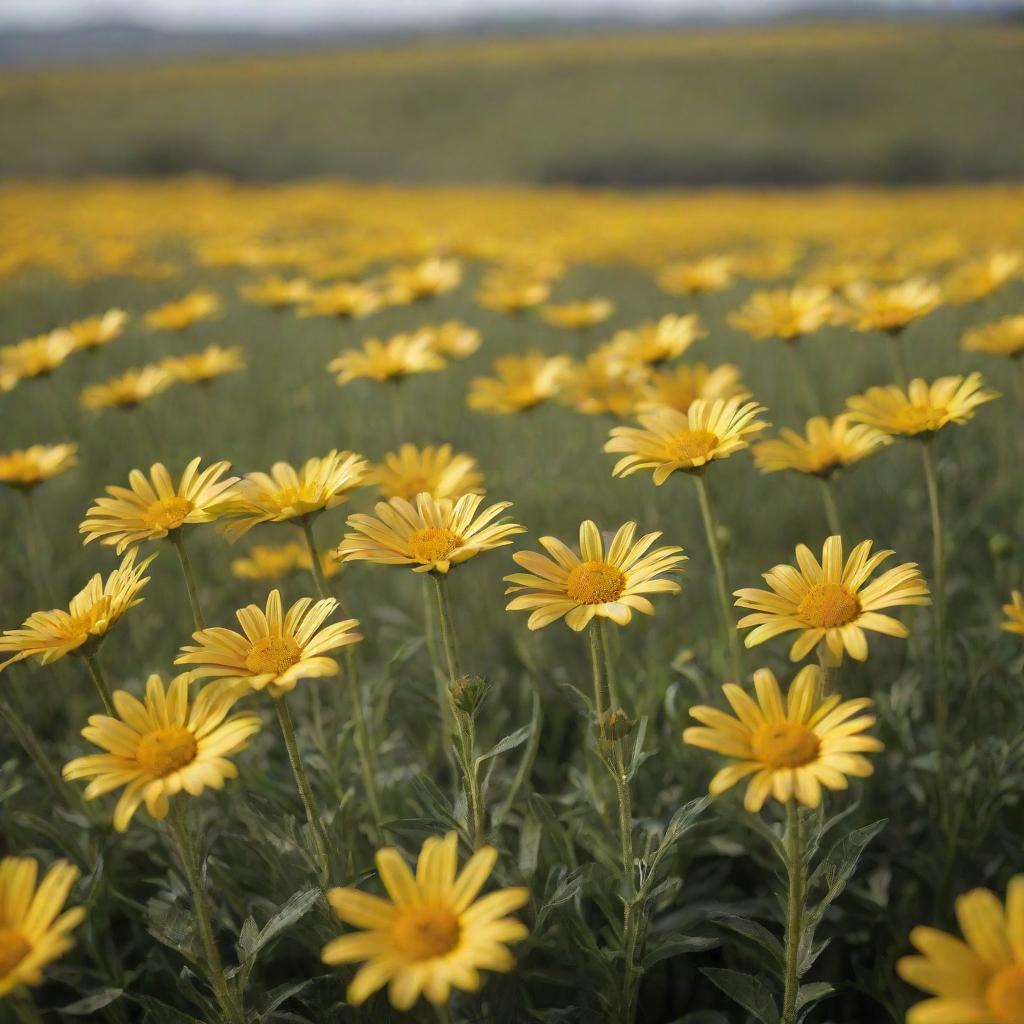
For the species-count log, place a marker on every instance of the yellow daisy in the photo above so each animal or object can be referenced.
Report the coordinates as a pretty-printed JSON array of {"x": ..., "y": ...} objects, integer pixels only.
[
  {"x": 791, "y": 749},
  {"x": 266, "y": 562},
  {"x": 511, "y": 294},
  {"x": 829, "y": 446},
  {"x": 131, "y": 388},
  {"x": 287, "y": 493},
  {"x": 580, "y": 586},
  {"x": 33, "y": 931},
  {"x": 39, "y": 356},
  {"x": 399, "y": 356},
  {"x": 423, "y": 280},
  {"x": 680, "y": 386},
  {"x": 923, "y": 408},
  {"x": 168, "y": 744},
  {"x": 603, "y": 384},
  {"x": 151, "y": 508},
  {"x": 668, "y": 440},
  {"x": 453, "y": 339},
  {"x": 579, "y": 315},
  {"x": 432, "y": 934},
  {"x": 977, "y": 980},
  {"x": 202, "y": 367},
  {"x": 831, "y": 602},
  {"x": 697, "y": 277},
  {"x": 180, "y": 315},
  {"x": 889, "y": 309},
  {"x": 432, "y": 535},
  {"x": 1005, "y": 337},
  {"x": 787, "y": 314},
  {"x": 92, "y": 613},
  {"x": 25, "y": 468},
  {"x": 98, "y": 331},
  {"x": 277, "y": 292},
  {"x": 1014, "y": 612},
  {"x": 343, "y": 300},
  {"x": 410, "y": 470},
  {"x": 983, "y": 276},
  {"x": 653, "y": 343},
  {"x": 520, "y": 382},
  {"x": 277, "y": 648}
]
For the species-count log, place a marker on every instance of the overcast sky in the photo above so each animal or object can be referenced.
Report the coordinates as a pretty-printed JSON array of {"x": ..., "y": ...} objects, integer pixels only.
[{"x": 276, "y": 14}]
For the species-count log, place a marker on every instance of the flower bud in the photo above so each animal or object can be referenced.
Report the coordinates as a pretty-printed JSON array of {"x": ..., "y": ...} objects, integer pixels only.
[
  {"x": 616, "y": 725},
  {"x": 468, "y": 693}
]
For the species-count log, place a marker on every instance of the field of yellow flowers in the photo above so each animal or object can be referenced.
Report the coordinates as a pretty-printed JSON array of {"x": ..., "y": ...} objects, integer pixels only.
[{"x": 510, "y": 604}]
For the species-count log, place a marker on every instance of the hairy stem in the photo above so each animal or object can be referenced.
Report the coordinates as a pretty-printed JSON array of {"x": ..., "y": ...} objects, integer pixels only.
[
  {"x": 177, "y": 538},
  {"x": 938, "y": 592},
  {"x": 794, "y": 846},
  {"x": 92, "y": 662},
  {"x": 828, "y": 498}
]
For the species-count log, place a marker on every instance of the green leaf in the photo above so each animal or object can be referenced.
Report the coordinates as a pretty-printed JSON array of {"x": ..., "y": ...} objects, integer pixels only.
[
  {"x": 808, "y": 995},
  {"x": 509, "y": 742},
  {"x": 90, "y": 1004},
  {"x": 838, "y": 866},
  {"x": 680, "y": 823},
  {"x": 676, "y": 945},
  {"x": 756, "y": 933},
  {"x": 747, "y": 990}
]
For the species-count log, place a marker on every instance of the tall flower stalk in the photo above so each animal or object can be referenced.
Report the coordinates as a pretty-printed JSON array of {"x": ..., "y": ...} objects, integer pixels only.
[{"x": 178, "y": 541}]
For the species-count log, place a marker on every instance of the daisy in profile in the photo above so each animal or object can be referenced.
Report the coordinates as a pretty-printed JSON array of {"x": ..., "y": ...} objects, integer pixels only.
[
  {"x": 92, "y": 613},
  {"x": 287, "y": 493},
  {"x": 165, "y": 745},
  {"x": 983, "y": 276},
  {"x": 424, "y": 280},
  {"x": 182, "y": 314},
  {"x": 603, "y": 384},
  {"x": 98, "y": 331},
  {"x": 203, "y": 367},
  {"x": 431, "y": 535},
  {"x": 277, "y": 292},
  {"x": 519, "y": 383},
  {"x": 453, "y": 339},
  {"x": 977, "y": 979},
  {"x": 348, "y": 300},
  {"x": 578, "y": 587},
  {"x": 400, "y": 356},
  {"x": 153, "y": 507},
  {"x": 1014, "y": 612},
  {"x": 432, "y": 933},
  {"x": 39, "y": 356},
  {"x": 1005, "y": 337},
  {"x": 26, "y": 468},
  {"x": 130, "y": 389},
  {"x": 34, "y": 926},
  {"x": 922, "y": 409},
  {"x": 889, "y": 309},
  {"x": 698, "y": 277},
  {"x": 276, "y": 562},
  {"x": 512, "y": 294},
  {"x": 411, "y": 470},
  {"x": 786, "y": 314},
  {"x": 833, "y": 602},
  {"x": 578, "y": 316},
  {"x": 653, "y": 343},
  {"x": 826, "y": 447},
  {"x": 276, "y": 649},
  {"x": 789, "y": 749},
  {"x": 679, "y": 387},
  {"x": 668, "y": 440}
]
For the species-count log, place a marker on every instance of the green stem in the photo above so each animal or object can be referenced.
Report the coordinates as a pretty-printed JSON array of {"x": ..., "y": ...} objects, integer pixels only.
[
  {"x": 897, "y": 359},
  {"x": 610, "y": 675},
  {"x": 793, "y": 841},
  {"x": 595, "y": 665},
  {"x": 811, "y": 400},
  {"x": 828, "y": 498},
  {"x": 939, "y": 592},
  {"x": 464, "y": 724},
  {"x": 316, "y": 566},
  {"x": 440, "y": 672},
  {"x": 229, "y": 1006},
  {"x": 829, "y": 673},
  {"x": 725, "y": 605},
  {"x": 27, "y": 739},
  {"x": 178, "y": 540},
  {"x": 305, "y": 790},
  {"x": 92, "y": 662}
]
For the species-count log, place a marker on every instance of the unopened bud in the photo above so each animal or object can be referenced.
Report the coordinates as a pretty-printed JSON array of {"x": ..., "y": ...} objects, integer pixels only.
[
  {"x": 616, "y": 725},
  {"x": 468, "y": 693}
]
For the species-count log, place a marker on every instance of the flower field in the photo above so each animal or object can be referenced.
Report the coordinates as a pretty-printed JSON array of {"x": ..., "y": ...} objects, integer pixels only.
[{"x": 508, "y": 604}]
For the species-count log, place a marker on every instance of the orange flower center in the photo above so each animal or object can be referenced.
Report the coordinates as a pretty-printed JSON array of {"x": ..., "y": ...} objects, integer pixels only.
[
  {"x": 168, "y": 513},
  {"x": 422, "y": 933},
  {"x": 433, "y": 544},
  {"x": 13, "y": 949},
  {"x": 271, "y": 655},
  {"x": 828, "y": 605},
  {"x": 1005, "y": 995},
  {"x": 595, "y": 583},
  {"x": 784, "y": 745},
  {"x": 691, "y": 445},
  {"x": 166, "y": 750},
  {"x": 917, "y": 419}
]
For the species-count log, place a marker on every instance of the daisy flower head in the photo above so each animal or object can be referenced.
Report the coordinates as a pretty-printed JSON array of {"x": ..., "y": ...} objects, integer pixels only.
[
  {"x": 519, "y": 383},
  {"x": 128, "y": 390},
  {"x": 153, "y": 506},
  {"x": 983, "y": 276},
  {"x": 578, "y": 586},
  {"x": 98, "y": 331},
  {"x": 831, "y": 602},
  {"x": 889, "y": 309},
  {"x": 276, "y": 292},
  {"x": 453, "y": 339},
  {"x": 182, "y": 314},
  {"x": 788, "y": 748},
  {"x": 92, "y": 613},
  {"x": 512, "y": 294},
  {"x": 681, "y": 386},
  {"x": 400, "y": 356},
  {"x": 826, "y": 447},
  {"x": 26, "y": 468},
  {"x": 654, "y": 343},
  {"x": 978, "y": 979},
  {"x": 276, "y": 649},
  {"x": 430, "y": 535},
  {"x": 39, "y": 356},
  {"x": 424, "y": 280},
  {"x": 923, "y": 409},
  {"x": 786, "y": 314},
  {"x": 202, "y": 367},
  {"x": 578, "y": 316},
  {"x": 668, "y": 440},
  {"x": 167, "y": 743},
  {"x": 603, "y": 384},
  {"x": 1005, "y": 337},
  {"x": 698, "y": 277},
  {"x": 412, "y": 470},
  {"x": 270, "y": 562},
  {"x": 33, "y": 929},
  {"x": 287, "y": 493},
  {"x": 347, "y": 300},
  {"x": 432, "y": 933},
  {"x": 1014, "y": 612}
]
